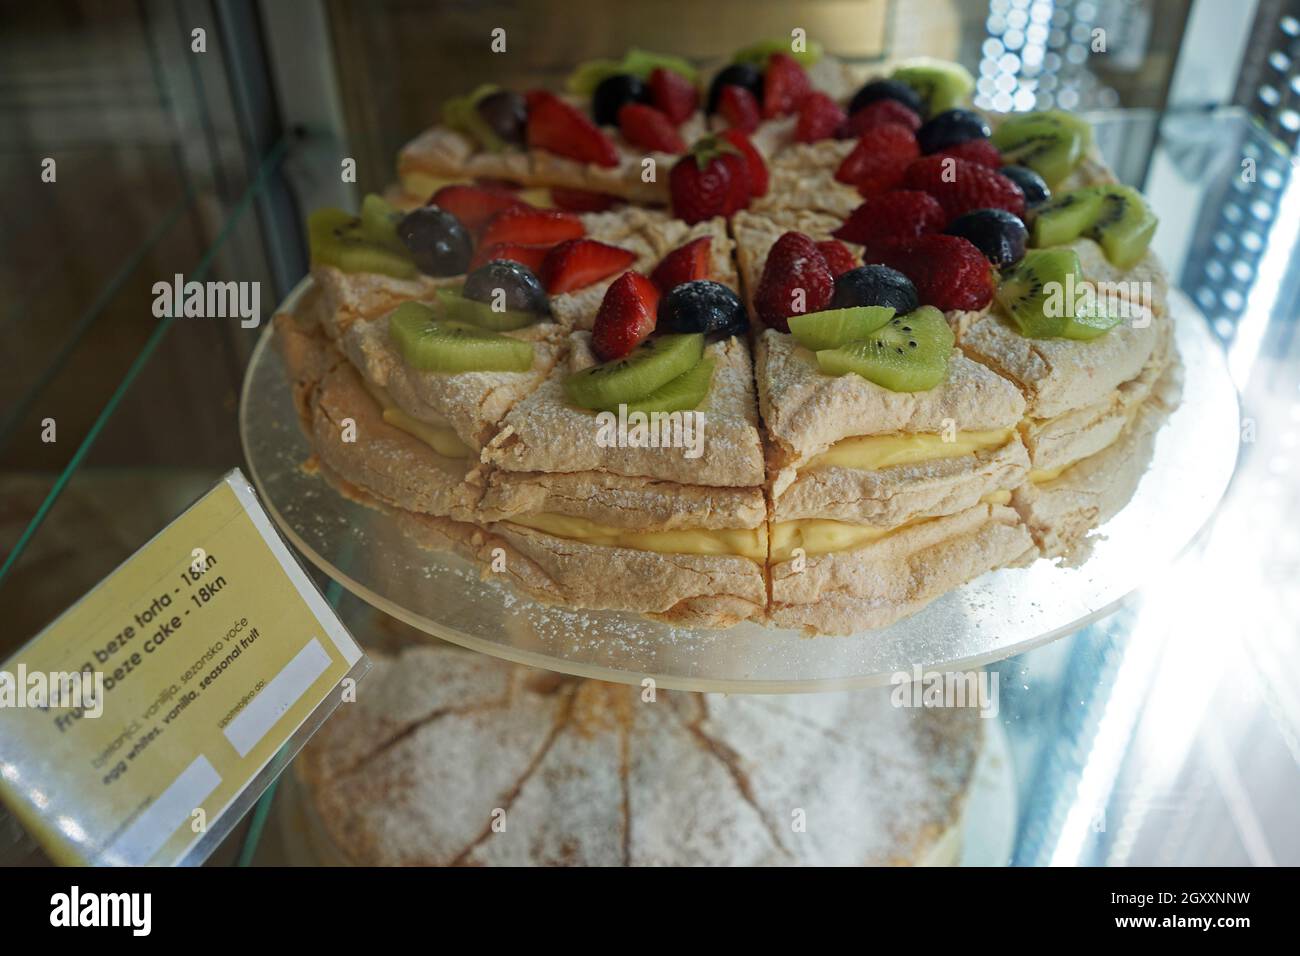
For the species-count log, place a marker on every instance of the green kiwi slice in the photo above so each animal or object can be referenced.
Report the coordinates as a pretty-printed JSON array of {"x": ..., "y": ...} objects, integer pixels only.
[
  {"x": 685, "y": 391},
  {"x": 461, "y": 114},
  {"x": 1124, "y": 224},
  {"x": 757, "y": 54},
  {"x": 940, "y": 84},
  {"x": 835, "y": 327},
  {"x": 647, "y": 368},
  {"x": 1065, "y": 218},
  {"x": 460, "y": 309},
  {"x": 379, "y": 220},
  {"x": 591, "y": 73},
  {"x": 1051, "y": 143},
  {"x": 442, "y": 346},
  {"x": 337, "y": 239},
  {"x": 909, "y": 353},
  {"x": 1046, "y": 295}
]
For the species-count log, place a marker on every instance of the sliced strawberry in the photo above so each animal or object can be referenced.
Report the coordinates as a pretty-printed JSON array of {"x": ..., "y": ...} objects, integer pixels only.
[
  {"x": 877, "y": 114},
  {"x": 738, "y": 107},
  {"x": 648, "y": 128},
  {"x": 578, "y": 263},
  {"x": 962, "y": 186},
  {"x": 738, "y": 170},
  {"x": 700, "y": 183},
  {"x": 979, "y": 151},
  {"x": 557, "y": 127},
  {"x": 879, "y": 149},
  {"x": 819, "y": 118},
  {"x": 796, "y": 279},
  {"x": 531, "y": 256},
  {"x": 532, "y": 227},
  {"x": 673, "y": 94},
  {"x": 582, "y": 200},
  {"x": 684, "y": 264},
  {"x": 899, "y": 214},
  {"x": 949, "y": 272},
  {"x": 837, "y": 256},
  {"x": 753, "y": 160},
  {"x": 626, "y": 316},
  {"x": 495, "y": 182},
  {"x": 475, "y": 205},
  {"x": 785, "y": 84}
]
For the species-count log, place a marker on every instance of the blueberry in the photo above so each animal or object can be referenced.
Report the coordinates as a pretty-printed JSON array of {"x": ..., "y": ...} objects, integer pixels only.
[
  {"x": 1030, "y": 183},
  {"x": 703, "y": 306},
  {"x": 995, "y": 232},
  {"x": 506, "y": 112},
  {"x": 875, "y": 285},
  {"x": 613, "y": 94},
  {"x": 950, "y": 128},
  {"x": 523, "y": 290},
  {"x": 436, "y": 240},
  {"x": 887, "y": 90},
  {"x": 738, "y": 74}
]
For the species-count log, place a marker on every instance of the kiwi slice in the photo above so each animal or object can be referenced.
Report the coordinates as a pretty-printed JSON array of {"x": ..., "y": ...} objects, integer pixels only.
[
  {"x": 460, "y": 309},
  {"x": 909, "y": 353},
  {"x": 1051, "y": 142},
  {"x": 1089, "y": 322},
  {"x": 443, "y": 346},
  {"x": 1124, "y": 224},
  {"x": 940, "y": 84},
  {"x": 756, "y": 54},
  {"x": 591, "y": 73},
  {"x": 461, "y": 114},
  {"x": 836, "y": 327},
  {"x": 1065, "y": 218},
  {"x": 643, "y": 371},
  {"x": 685, "y": 391},
  {"x": 338, "y": 239},
  {"x": 379, "y": 220},
  {"x": 1042, "y": 294}
]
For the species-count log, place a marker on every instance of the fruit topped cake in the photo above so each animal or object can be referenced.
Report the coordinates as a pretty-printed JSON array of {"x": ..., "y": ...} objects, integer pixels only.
[{"x": 769, "y": 342}]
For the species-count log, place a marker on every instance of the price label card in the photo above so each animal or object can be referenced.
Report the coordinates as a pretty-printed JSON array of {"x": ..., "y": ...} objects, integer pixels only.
[{"x": 139, "y": 726}]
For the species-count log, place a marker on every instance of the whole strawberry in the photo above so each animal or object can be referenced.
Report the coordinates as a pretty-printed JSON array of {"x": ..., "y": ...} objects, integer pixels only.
[
  {"x": 738, "y": 107},
  {"x": 961, "y": 186},
  {"x": 976, "y": 151},
  {"x": 878, "y": 114},
  {"x": 796, "y": 279},
  {"x": 949, "y": 272},
  {"x": 754, "y": 165},
  {"x": 702, "y": 184},
  {"x": 901, "y": 214},
  {"x": 879, "y": 160},
  {"x": 838, "y": 257},
  {"x": 672, "y": 93},
  {"x": 626, "y": 316},
  {"x": 785, "y": 84},
  {"x": 819, "y": 118},
  {"x": 649, "y": 128}
]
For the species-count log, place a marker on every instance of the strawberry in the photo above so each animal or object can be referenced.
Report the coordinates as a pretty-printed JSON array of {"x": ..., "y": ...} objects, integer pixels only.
[
  {"x": 837, "y": 256},
  {"x": 785, "y": 84},
  {"x": 648, "y": 128},
  {"x": 577, "y": 263},
  {"x": 700, "y": 183},
  {"x": 878, "y": 114},
  {"x": 556, "y": 126},
  {"x": 738, "y": 107},
  {"x": 819, "y": 118},
  {"x": 684, "y": 264},
  {"x": 754, "y": 164},
  {"x": 880, "y": 158},
  {"x": 976, "y": 151},
  {"x": 582, "y": 200},
  {"x": 530, "y": 256},
  {"x": 674, "y": 95},
  {"x": 961, "y": 186},
  {"x": 532, "y": 227},
  {"x": 738, "y": 171},
  {"x": 901, "y": 214},
  {"x": 626, "y": 316},
  {"x": 495, "y": 182},
  {"x": 949, "y": 272},
  {"x": 796, "y": 279},
  {"x": 474, "y": 205}
]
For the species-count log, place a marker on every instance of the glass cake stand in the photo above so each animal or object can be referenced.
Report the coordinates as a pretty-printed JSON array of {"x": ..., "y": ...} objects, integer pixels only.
[{"x": 998, "y": 615}]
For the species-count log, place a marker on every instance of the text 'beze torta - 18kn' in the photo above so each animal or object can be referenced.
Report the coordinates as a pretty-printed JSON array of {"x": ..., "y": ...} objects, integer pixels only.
[{"x": 777, "y": 346}]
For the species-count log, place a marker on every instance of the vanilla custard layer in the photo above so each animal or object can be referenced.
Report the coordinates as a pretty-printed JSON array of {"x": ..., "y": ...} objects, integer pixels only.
[
  {"x": 439, "y": 436},
  {"x": 872, "y": 452}
]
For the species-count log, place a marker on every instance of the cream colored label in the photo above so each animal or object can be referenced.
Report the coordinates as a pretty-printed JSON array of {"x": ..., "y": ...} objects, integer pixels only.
[
  {"x": 872, "y": 452},
  {"x": 213, "y": 647}
]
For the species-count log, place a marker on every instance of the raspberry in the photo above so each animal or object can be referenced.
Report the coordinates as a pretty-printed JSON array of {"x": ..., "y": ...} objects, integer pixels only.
[
  {"x": 949, "y": 272},
  {"x": 819, "y": 118},
  {"x": 837, "y": 256},
  {"x": 878, "y": 114},
  {"x": 796, "y": 279},
  {"x": 961, "y": 186},
  {"x": 976, "y": 151},
  {"x": 901, "y": 214},
  {"x": 879, "y": 160}
]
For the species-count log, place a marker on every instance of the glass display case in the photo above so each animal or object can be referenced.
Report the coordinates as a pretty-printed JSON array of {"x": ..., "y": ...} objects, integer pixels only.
[{"x": 1164, "y": 731}]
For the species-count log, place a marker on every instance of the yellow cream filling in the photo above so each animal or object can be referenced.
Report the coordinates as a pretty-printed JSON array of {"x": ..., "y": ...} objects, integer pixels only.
[
  {"x": 746, "y": 542},
  {"x": 871, "y": 452},
  {"x": 439, "y": 436}
]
